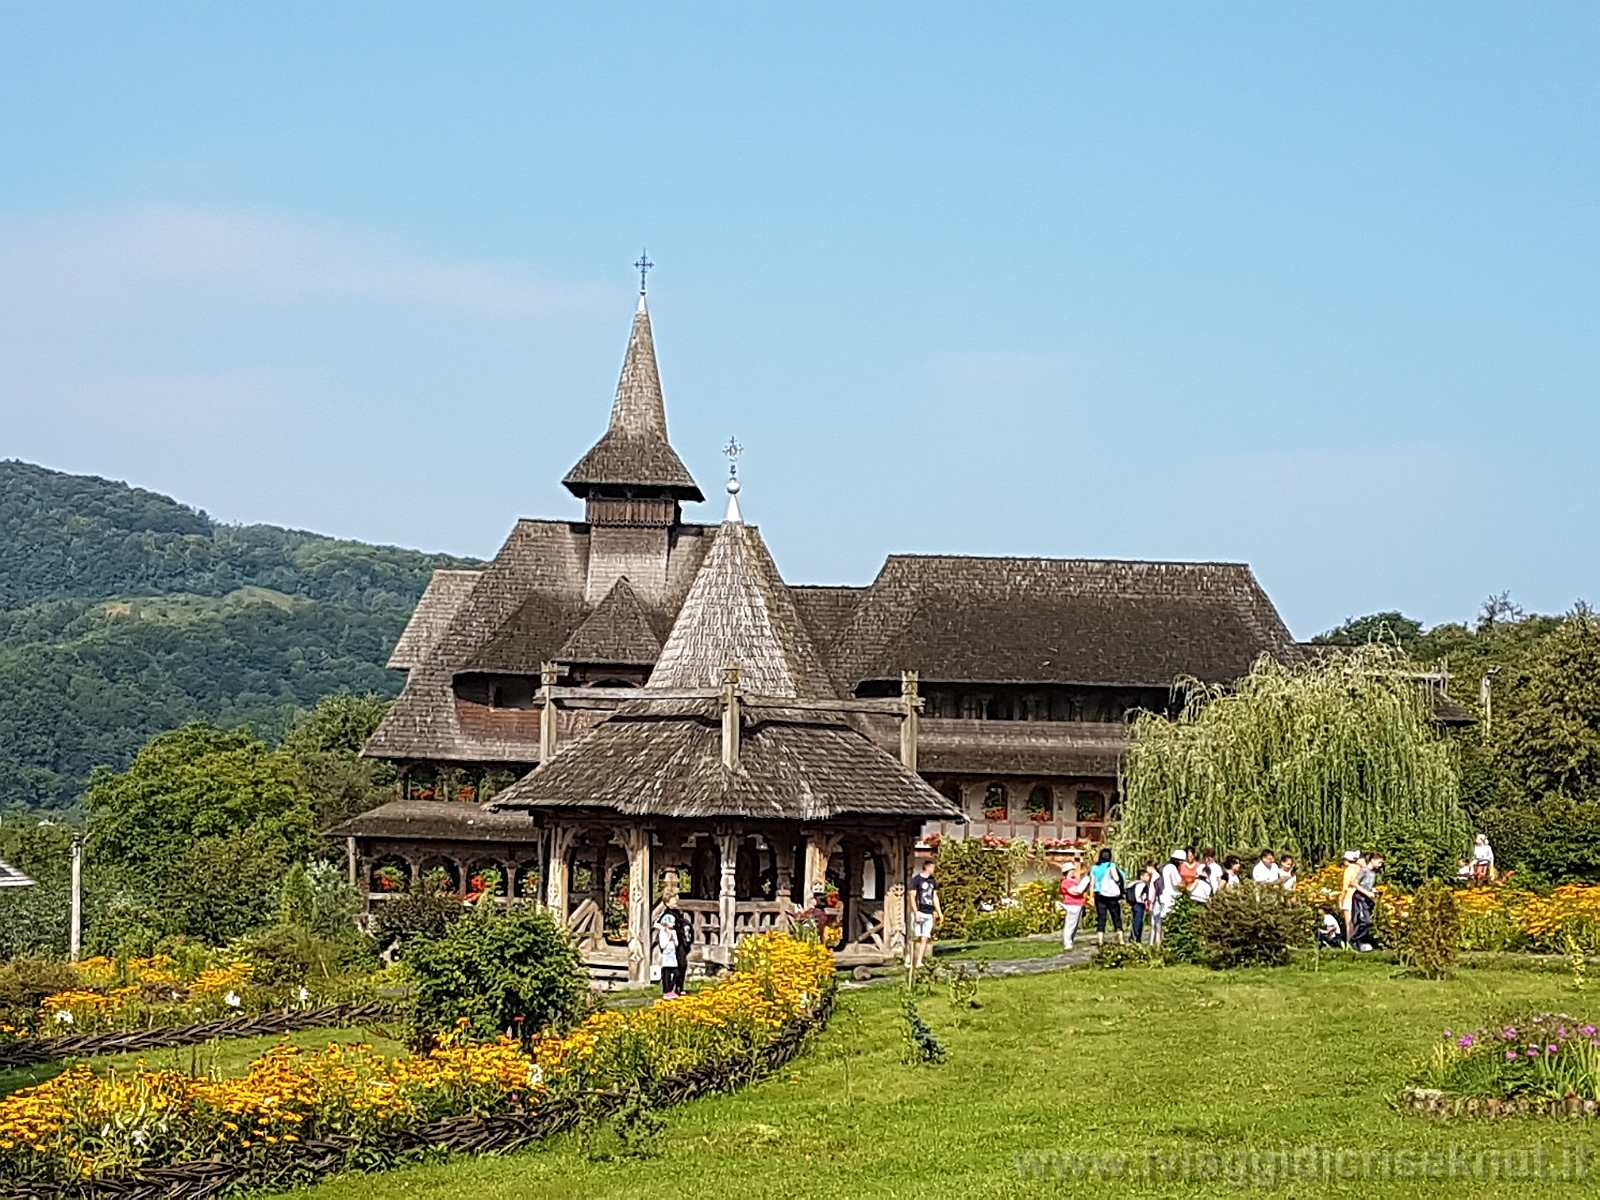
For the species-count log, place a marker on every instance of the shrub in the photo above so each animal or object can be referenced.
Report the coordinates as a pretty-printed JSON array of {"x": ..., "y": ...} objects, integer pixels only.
[
  {"x": 1180, "y": 932},
  {"x": 922, "y": 1046},
  {"x": 1130, "y": 954},
  {"x": 514, "y": 971},
  {"x": 1253, "y": 924},
  {"x": 426, "y": 911},
  {"x": 1433, "y": 932},
  {"x": 24, "y": 982}
]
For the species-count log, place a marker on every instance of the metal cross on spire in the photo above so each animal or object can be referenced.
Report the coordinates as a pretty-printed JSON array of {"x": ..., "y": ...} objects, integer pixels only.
[
  {"x": 733, "y": 450},
  {"x": 643, "y": 267}
]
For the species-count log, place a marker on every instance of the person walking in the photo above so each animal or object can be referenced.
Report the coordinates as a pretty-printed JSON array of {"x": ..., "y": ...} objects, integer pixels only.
[
  {"x": 1364, "y": 904},
  {"x": 1075, "y": 884},
  {"x": 929, "y": 913},
  {"x": 1171, "y": 885},
  {"x": 1141, "y": 892},
  {"x": 673, "y": 963},
  {"x": 1109, "y": 885},
  {"x": 1347, "y": 892}
]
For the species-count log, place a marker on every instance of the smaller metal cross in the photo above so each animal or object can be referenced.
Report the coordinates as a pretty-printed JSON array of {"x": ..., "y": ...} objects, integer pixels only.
[
  {"x": 733, "y": 450},
  {"x": 643, "y": 267}
]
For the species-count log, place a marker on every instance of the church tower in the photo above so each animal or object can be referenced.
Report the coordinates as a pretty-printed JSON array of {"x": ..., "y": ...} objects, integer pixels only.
[{"x": 632, "y": 482}]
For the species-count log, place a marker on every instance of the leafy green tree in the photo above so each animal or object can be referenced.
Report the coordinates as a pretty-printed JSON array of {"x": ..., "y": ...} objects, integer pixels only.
[
  {"x": 1547, "y": 721},
  {"x": 199, "y": 782},
  {"x": 326, "y": 742},
  {"x": 1378, "y": 627}
]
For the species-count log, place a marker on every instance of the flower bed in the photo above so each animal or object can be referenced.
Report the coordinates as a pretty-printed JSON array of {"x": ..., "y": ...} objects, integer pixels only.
[
  {"x": 363, "y": 1108},
  {"x": 150, "y": 993},
  {"x": 1538, "y": 1062}
]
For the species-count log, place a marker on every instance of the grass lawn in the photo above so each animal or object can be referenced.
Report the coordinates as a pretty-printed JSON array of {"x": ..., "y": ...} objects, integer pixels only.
[
  {"x": 1003, "y": 948},
  {"x": 1129, "y": 1061},
  {"x": 229, "y": 1057}
]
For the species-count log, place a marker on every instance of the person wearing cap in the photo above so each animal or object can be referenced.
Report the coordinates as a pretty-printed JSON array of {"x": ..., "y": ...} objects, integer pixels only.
[
  {"x": 1347, "y": 889},
  {"x": 1075, "y": 882},
  {"x": 1171, "y": 878}
]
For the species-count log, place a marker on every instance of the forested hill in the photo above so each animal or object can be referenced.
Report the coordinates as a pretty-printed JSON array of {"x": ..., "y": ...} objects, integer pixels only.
[{"x": 124, "y": 613}]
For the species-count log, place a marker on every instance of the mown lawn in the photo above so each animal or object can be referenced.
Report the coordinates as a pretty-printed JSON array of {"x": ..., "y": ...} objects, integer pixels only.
[
  {"x": 1145, "y": 1063},
  {"x": 224, "y": 1057}
]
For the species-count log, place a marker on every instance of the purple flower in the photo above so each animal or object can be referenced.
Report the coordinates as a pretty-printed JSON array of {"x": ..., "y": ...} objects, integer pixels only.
[
  {"x": 1538, "y": 1020},
  {"x": 1511, "y": 1053},
  {"x": 1447, "y": 1033},
  {"x": 1587, "y": 1030},
  {"x": 1552, "y": 1049},
  {"x": 1508, "y": 1033},
  {"x": 1465, "y": 1041},
  {"x": 1533, "y": 1052}
]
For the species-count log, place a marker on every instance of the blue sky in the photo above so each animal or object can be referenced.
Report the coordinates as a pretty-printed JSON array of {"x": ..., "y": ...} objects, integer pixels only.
[{"x": 1309, "y": 285}]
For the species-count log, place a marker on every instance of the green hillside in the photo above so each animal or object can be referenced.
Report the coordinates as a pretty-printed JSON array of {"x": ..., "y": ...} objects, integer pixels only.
[{"x": 124, "y": 613}]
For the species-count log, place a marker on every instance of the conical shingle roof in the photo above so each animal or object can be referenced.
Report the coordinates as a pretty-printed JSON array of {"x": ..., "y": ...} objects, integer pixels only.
[
  {"x": 739, "y": 610},
  {"x": 635, "y": 453}
]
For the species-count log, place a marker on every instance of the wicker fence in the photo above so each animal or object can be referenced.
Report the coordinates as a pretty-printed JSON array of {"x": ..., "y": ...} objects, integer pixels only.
[
  {"x": 211, "y": 1179},
  {"x": 38, "y": 1050}
]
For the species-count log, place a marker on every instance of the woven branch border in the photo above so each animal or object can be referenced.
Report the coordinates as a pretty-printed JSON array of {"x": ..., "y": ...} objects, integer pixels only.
[
  {"x": 210, "y": 1179},
  {"x": 40, "y": 1050}
]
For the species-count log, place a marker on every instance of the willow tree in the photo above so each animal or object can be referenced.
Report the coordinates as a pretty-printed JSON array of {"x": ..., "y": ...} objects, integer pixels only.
[{"x": 1337, "y": 753}]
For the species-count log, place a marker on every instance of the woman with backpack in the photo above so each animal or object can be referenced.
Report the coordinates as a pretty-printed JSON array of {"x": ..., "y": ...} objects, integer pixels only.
[
  {"x": 1075, "y": 884},
  {"x": 1109, "y": 885}
]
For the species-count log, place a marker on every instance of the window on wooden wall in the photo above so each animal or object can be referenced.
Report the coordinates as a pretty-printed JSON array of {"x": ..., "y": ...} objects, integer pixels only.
[
  {"x": 1091, "y": 807},
  {"x": 995, "y": 806},
  {"x": 1041, "y": 805}
]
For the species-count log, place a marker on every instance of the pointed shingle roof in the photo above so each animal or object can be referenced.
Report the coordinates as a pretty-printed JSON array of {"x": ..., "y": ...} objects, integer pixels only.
[
  {"x": 635, "y": 453},
  {"x": 617, "y": 631},
  {"x": 739, "y": 610}
]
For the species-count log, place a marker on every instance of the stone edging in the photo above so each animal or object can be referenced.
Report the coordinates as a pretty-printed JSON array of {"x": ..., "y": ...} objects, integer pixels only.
[{"x": 1434, "y": 1103}]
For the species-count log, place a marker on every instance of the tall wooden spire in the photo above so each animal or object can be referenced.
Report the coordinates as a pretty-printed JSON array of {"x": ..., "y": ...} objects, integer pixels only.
[{"x": 634, "y": 457}]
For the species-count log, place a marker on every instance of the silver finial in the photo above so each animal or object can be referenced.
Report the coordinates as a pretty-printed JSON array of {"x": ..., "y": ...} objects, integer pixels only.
[
  {"x": 733, "y": 450},
  {"x": 643, "y": 267}
]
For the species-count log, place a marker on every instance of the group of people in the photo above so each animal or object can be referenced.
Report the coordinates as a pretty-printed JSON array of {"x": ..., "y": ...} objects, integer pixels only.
[
  {"x": 1154, "y": 894},
  {"x": 1358, "y": 900}
]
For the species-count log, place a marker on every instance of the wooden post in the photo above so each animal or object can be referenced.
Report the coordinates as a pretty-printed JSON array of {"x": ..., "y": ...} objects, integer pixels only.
[
  {"x": 548, "y": 674},
  {"x": 350, "y": 861},
  {"x": 728, "y": 893},
  {"x": 896, "y": 874},
  {"x": 75, "y": 933},
  {"x": 559, "y": 875},
  {"x": 908, "y": 723},
  {"x": 636, "y": 841},
  {"x": 730, "y": 716}
]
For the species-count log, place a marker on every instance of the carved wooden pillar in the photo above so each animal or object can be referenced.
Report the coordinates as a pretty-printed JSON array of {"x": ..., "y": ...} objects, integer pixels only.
[
  {"x": 896, "y": 873},
  {"x": 635, "y": 841},
  {"x": 728, "y": 892},
  {"x": 783, "y": 864},
  {"x": 559, "y": 875}
]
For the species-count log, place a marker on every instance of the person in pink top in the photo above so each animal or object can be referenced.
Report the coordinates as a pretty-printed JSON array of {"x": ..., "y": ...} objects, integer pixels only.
[{"x": 1074, "y": 894}]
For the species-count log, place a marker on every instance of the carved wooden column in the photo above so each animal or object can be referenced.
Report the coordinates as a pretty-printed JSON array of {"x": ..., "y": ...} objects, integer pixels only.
[
  {"x": 558, "y": 877},
  {"x": 728, "y": 892},
  {"x": 896, "y": 872},
  {"x": 635, "y": 840}
]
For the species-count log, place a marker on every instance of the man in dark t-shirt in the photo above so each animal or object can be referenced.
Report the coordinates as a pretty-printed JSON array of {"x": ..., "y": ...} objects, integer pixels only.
[{"x": 925, "y": 894}]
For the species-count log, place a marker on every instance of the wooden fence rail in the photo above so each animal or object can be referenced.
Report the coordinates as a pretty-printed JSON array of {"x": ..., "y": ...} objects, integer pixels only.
[
  {"x": 39, "y": 1050},
  {"x": 311, "y": 1161}
]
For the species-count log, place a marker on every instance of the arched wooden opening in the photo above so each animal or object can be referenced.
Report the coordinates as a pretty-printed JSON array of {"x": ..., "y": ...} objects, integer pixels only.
[{"x": 1041, "y": 804}]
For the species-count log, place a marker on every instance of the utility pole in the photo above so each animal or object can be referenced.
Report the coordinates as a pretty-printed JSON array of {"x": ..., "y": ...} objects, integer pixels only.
[
  {"x": 1486, "y": 698},
  {"x": 75, "y": 936}
]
